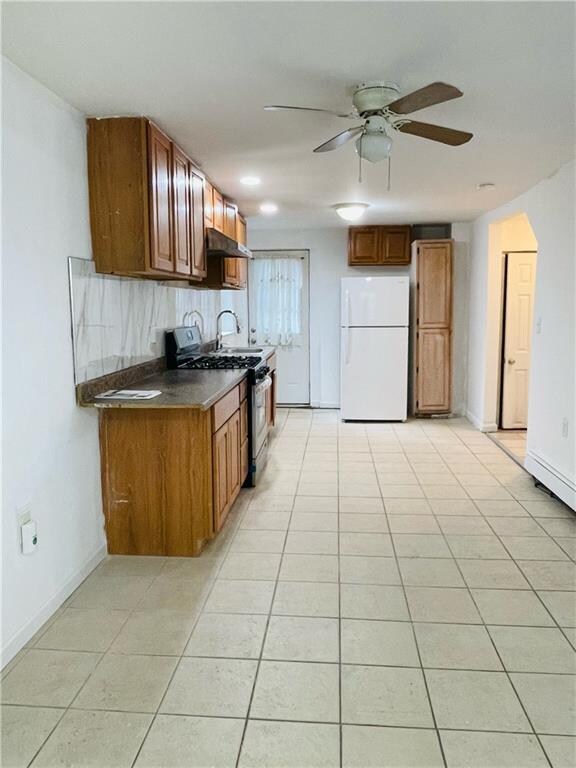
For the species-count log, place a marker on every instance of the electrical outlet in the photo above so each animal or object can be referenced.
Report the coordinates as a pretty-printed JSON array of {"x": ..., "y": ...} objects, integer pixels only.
[{"x": 564, "y": 427}]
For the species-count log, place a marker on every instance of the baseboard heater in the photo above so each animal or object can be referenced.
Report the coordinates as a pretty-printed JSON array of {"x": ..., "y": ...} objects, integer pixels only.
[{"x": 560, "y": 485}]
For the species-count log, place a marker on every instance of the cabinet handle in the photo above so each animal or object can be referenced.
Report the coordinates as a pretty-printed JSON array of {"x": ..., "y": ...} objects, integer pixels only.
[{"x": 511, "y": 361}]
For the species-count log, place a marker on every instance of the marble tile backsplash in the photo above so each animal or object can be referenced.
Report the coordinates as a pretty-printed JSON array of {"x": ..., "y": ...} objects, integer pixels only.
[{"x": 118, "y": 322}]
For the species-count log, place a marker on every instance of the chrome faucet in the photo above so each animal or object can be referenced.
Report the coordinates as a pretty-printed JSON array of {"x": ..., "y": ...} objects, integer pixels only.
[{"x": 219, "y": 329}]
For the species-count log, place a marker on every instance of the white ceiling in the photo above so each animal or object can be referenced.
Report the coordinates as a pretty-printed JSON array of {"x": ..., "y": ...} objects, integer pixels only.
[{"x": 203, "y": 71}]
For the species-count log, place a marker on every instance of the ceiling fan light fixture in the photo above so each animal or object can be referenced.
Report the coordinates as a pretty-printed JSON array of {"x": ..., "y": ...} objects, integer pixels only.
[
  {"x": 374, "y": 147},
  {"x": 350, "y": 211}
]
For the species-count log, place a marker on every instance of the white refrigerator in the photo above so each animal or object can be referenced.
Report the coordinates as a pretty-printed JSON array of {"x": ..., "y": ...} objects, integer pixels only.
[{"x": 374, "y": 348}]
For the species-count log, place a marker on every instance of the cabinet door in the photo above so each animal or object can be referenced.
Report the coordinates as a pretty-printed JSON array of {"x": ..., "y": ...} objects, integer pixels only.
[
  {"x": 197, "y": 239},
  {"x": 243, "y": 420},
  {"x": 363, "y": 245},
  {"x": 217, "y": 210},
  {"x": 244, "y": 460},
  {"x": 230, "y": 211},
  {"x": 242, "y": 273},
  {"x": 220, "y": 451},
  {"x": 182, "y": 212},
  {"x": 395, "y": 245},
  {"x": 208, "y": 204},
  {"x": 241, "y": 233},
  {"x": 231, "y": 275},
  {"x": 433, "y": 367},
  {"x": 434, "y": 284},
  {"x": 233, "y": 425},
  {"x": 160, "y": 178}
]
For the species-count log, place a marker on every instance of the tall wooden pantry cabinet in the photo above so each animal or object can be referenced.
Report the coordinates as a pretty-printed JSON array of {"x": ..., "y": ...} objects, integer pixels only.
[{"x": 433, "y": 326}]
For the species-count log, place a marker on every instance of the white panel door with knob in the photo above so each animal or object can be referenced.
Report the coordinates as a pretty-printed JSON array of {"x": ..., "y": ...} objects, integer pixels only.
[{"x": 518, "y": 311}]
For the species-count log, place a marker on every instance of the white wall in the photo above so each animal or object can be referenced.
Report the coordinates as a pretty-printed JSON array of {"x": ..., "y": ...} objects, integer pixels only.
[
  {"x": 50, "y": 447},
  {"x": 328, "y": 263},
  {"x": 550, "y": 210}
]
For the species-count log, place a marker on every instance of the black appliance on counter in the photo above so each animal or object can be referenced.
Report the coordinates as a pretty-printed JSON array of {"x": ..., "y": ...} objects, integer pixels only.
[{"x": 185, "y": 351}]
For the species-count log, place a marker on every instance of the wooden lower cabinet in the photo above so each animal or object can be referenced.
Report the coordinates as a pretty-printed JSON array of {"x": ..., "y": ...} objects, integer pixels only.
[
  {"x": 433, "y": 386},
  {"x": 226, "y": 458},
  {"x": 156, "y": 480},
  {"x": 171, "y": 475}
]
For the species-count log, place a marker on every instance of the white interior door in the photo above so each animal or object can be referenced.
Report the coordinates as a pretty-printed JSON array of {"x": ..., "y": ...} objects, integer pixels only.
[
  {"x": 518, "y": 311},
  {"x": 279, "y": 315}
]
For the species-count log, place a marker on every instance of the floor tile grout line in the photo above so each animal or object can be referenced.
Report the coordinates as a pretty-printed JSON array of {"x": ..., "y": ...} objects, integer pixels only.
[
  {"x": 338, "y": 544},
  {"x": 211, "y": 581},
  {"x": 415, "y": 638},
  {"x": 505, "y": 670},
  {"x": 268, "y": 617},
  {"x": 206, "y": 593}
]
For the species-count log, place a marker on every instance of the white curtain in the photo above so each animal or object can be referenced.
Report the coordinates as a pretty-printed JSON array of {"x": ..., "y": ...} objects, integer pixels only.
[{"x": 277, "y": 283}]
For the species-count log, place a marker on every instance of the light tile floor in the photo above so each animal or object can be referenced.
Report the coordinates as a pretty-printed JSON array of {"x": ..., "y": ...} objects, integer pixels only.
[
  {"x": 390, "y": 595},
  {"x": 513, "y": 441}
]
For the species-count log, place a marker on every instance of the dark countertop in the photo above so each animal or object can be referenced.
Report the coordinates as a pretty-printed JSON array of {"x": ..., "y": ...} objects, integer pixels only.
[{"x": 180, "y": 389}]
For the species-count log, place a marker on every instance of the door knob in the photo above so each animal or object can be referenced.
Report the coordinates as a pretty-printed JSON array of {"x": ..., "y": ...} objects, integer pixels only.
[
  {"x": 252, "y": 340},
  {"x": 511, "y": 362},
  {"x": 252, "y": 330}
]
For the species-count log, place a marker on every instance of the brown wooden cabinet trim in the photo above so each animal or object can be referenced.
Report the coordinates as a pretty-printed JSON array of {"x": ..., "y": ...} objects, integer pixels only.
[
  {"x": 224, "y": 408},
  {"x": 379, "y": 245},
  {"x": 161, "y": 231},
  {"x": 433, "y": 337}
]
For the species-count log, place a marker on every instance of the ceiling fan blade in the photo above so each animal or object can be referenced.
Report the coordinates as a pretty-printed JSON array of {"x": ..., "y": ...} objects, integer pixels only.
[
  {"x": 435, "y": 93},
  {"x": 436, "y": 133},
  {"x": 339, "y": 139},
  {"x": 279, "y": 108}
]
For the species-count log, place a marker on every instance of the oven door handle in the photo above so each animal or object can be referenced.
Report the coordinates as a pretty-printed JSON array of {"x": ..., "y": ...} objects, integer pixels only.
[{"x": 263, "y": 385}]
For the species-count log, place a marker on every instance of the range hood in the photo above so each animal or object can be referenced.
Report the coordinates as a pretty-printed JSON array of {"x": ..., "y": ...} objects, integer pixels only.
[{"x": 218, "y": 244}]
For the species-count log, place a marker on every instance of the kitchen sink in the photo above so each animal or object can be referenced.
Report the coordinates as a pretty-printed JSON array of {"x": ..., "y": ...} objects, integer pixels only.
[{"x": 240, "y": 351}]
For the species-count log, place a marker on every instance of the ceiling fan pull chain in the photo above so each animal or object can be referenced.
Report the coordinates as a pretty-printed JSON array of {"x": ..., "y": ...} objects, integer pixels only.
[
  {"x": 389, "y": 171},
  {"x": 360, "y": 161}
]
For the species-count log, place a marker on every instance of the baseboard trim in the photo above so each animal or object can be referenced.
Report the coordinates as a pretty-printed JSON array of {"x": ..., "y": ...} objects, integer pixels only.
[
  {"x": 479, "y": 424},
  {"x": 20, "y": 639},
  {"x": 319, "y": 404},
  {"x": 555, "y": 481}
]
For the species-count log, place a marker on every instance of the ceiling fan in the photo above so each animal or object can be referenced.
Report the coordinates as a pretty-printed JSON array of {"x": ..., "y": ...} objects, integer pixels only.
[{"x": 381, "y": 107}]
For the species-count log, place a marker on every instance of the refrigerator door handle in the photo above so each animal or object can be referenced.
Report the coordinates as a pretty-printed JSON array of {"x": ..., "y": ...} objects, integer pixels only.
[
  {"x": 347, "y": 345},
  {"x": 347, "y": 303}
]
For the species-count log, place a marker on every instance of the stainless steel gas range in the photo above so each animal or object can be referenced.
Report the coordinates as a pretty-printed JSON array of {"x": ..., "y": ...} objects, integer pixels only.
[{"x": 185, "y": 351}]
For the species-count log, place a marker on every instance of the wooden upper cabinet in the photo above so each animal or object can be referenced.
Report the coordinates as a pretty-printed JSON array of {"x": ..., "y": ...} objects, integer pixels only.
[
  {"x": 198, "y": 242},
  {"x": 217, "y": 210},
  {"x": 230, "y": 213},
  {"x": 230, "y": 277},
  {"x": 395, "y": 245},
  {"x": 379, "y": 246},
  {"x": 182, "y": 213},
  {"x": 208, "y": 204},
  {"x": 241, "y": 232},
  {"x": 363, "y": 245},
  {"x": 161, "y": 214},
  {"x": 434, "y": 283}
]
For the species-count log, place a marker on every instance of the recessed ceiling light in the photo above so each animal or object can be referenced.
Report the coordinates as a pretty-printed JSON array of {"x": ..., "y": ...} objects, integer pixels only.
[
  {"x": 486, "y": 185},
  {"x": 250, "y": 181},
  {"x": 350, "y": 211},
  {"x": 269, "y": 208}
]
